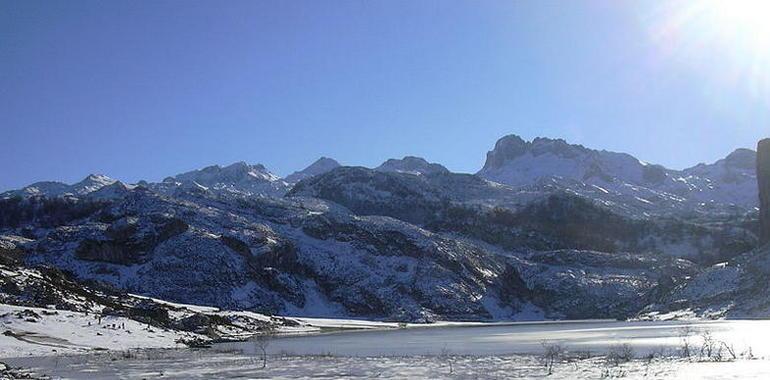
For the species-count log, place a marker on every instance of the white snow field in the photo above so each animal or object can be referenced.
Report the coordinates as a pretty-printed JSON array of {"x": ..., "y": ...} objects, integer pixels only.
[{"x": 581, "y": 350}]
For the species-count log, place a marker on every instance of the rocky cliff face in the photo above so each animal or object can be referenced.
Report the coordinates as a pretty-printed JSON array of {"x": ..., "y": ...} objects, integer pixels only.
[{"x": 763, "y": 180}]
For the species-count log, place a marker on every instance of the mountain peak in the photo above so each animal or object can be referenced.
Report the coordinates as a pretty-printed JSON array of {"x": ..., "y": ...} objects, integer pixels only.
[
  {"x": 236, "y": 177},
  {"x": 320, "y": 166},
  {"x": 411, "y": 165},
  {"x": 742, "y": 158},
  {"x": 506, "y": 148},
  {"x": 514, "y": 161},
  {"x": 512, "y": 146},
  {"x": 91, "y": 183}
]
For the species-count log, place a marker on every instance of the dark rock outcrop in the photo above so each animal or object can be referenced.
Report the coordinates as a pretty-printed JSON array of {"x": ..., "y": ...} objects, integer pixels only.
[
  {"x": 128, "y": 240},
  {"x": 763, "y": 180}
]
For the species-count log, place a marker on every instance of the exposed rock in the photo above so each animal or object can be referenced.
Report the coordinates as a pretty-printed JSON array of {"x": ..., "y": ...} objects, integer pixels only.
[
  {"x": 763, "y": 180},
  {"x": 150, "y": 312},
  {"x": 11, "y": 249},
  {"x": 109, "y": 251},
  {"x": 198, "y": 323},
  {"x": 236, "y": 245},
  {"x": 129, "y": 239}
]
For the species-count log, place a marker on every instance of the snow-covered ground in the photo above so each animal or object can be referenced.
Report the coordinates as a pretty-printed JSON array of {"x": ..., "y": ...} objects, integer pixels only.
[
  {"x": 189, "y": 364},
  {"x": 37, "y": 331}
]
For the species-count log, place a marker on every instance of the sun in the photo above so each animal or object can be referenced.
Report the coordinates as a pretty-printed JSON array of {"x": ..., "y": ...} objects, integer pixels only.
[
  {"x": 729, "y": 40},
  {"x": 743, "y": 24},
  {"x": 745, "y": 21}
]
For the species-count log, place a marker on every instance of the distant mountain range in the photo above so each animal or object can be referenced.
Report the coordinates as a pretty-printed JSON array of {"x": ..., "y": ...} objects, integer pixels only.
[
  {"x": 614, "y": 177},
  {"x": 546, "y": 229}
]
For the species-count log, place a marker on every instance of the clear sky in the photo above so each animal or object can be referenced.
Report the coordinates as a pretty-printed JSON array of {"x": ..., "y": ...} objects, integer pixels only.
[{"x": 145, "y": 89}]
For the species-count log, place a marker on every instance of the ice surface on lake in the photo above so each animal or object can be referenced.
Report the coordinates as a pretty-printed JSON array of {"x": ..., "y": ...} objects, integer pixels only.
[
  {"x": 491, "y": 352},
  {"x": 527, "y": 338}
]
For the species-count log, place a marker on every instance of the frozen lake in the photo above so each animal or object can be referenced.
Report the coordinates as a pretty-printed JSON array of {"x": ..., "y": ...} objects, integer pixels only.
[
  {"x": 493, "y": 351},
  {"x": 525, "y": 338}
]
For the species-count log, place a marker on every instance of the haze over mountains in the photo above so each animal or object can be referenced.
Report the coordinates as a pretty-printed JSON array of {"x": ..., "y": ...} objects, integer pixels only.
[{"x": 545, "y": 229}]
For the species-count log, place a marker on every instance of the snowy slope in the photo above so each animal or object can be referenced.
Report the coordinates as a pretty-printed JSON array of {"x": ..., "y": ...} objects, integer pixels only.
[
  {"x": 733, "y": 289},
  {"x": 732, "y": 179}
]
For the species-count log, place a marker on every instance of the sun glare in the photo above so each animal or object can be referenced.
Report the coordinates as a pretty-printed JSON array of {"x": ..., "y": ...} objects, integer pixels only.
[
  {"x": 746, "y": 20},
  {"x": 730, "y": 36}
]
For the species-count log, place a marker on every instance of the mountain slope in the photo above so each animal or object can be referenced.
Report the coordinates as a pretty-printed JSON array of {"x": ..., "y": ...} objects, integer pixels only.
[
  {"x": 519, "y": 218},
  {"x": 303, "y": 256}
]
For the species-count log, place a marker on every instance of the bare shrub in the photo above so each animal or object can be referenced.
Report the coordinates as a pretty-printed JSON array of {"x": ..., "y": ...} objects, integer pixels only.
[
  {"x": 552, "y": 352},
  {"x": 612, "y": 373},
  {"x": 709, "y": 345},
  {"x": 621, "y": 353},
  {"x": 730, "y": 350},
  {"x": 582, "y": 354},
  {"x": 716, "y": 350},
  {"x": 748, "y": 353}
]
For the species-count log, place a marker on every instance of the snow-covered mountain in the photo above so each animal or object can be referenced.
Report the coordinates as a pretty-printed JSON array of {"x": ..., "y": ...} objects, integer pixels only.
[
  {"x": 91, "y": 183},
  {"x": 239, "y": 177},
  {"x": 320, "y": 166},
  {"x": 611, "y": 176},
  {"x": 539, "y": 217},
  {"x": 303, "y": 256},
  {"x": 545, "y": 230},
  {"x": 732, "y": 179},
  {"x": 411, "y": 165}
]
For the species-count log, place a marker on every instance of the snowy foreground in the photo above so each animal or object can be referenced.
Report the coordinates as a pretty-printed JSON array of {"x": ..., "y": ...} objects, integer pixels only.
[
  {"x": 74, "y": 345},
  {"x": 203, "y": 364}
]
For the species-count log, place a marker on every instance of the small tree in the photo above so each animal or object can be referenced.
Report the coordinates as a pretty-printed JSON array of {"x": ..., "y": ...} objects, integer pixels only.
[
  {"x": 261, "y": 341},
  {"x": 446, "y": 355},
  {"x": 709, "y": 345},
  {"x": 684, "y": 335}
]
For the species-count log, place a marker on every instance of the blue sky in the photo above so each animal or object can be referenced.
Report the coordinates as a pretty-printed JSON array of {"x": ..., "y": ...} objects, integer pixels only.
[{"x": 145, "y": 89}]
